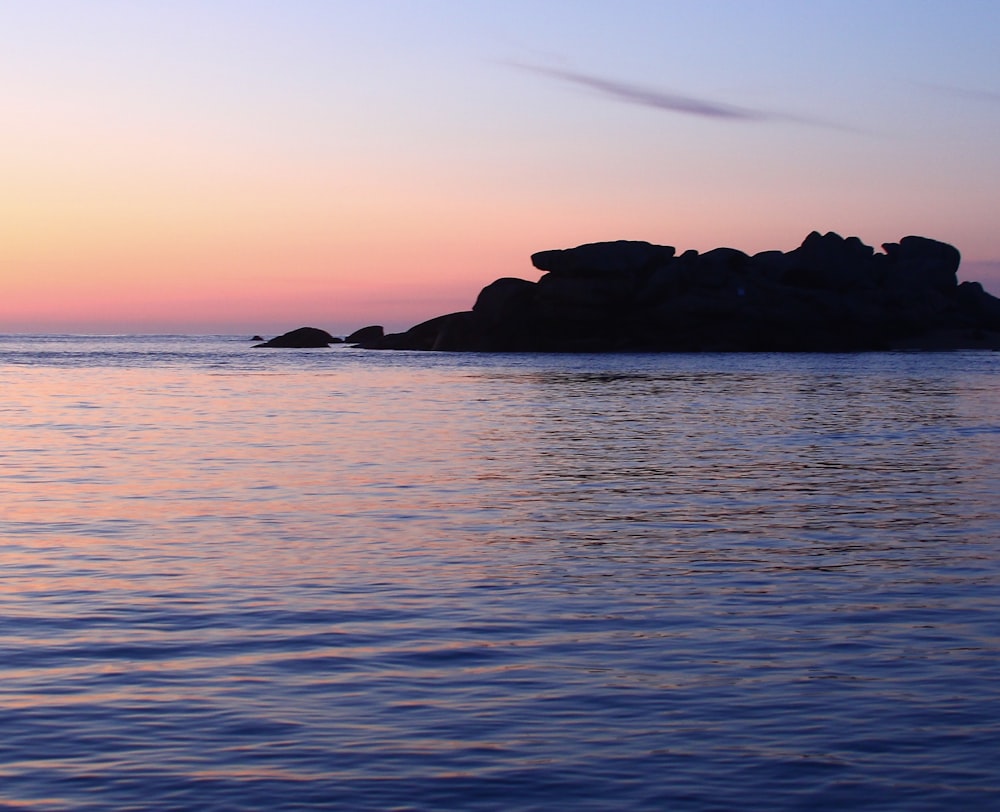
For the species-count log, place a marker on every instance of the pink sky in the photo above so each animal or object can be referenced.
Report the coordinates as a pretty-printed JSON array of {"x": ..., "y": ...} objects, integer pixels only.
[{"x": 177, "y": 167}]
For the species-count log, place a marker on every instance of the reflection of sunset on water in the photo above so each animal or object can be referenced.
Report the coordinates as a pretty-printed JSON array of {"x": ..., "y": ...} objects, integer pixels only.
[{"x": 232, "y": 573}]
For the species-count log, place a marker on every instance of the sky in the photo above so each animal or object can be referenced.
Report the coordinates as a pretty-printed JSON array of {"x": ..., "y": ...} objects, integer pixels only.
[{"x": 231, "y": 166}]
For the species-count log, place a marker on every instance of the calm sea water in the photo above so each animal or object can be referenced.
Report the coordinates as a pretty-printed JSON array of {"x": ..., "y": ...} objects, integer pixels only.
[{"x": 237, "y": 579}]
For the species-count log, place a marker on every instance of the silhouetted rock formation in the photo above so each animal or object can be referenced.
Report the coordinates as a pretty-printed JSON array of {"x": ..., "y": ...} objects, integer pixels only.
[
  {"x": 829, "y": 294},
  {"x": 372, "y": 333},
  {"x": 302, "y": 337}
]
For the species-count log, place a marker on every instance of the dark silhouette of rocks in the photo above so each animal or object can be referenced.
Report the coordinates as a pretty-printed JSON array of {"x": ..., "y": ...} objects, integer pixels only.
[
  {"x": 372, "y": 333},
  {"x": 829, "y": 294},
  {"x": 301, "y": 338},
  {"x": 257, "y": 338}
]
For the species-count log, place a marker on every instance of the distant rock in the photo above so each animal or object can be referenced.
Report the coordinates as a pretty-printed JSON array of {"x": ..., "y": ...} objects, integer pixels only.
[
  {"x": 829, "y": 294},
  {"x": 441, "y": 333},
  {"x": 257, "y": 338},
  {"x": 366, "y": 334},
  {"x": 303, "y": 337}
]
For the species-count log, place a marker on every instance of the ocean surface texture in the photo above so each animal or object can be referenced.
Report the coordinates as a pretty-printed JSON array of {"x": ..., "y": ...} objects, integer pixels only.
[{"x": 238, "y": 579}]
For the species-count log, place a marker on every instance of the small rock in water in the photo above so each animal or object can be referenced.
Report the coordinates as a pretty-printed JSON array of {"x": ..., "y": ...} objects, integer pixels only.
[{"x": 301, "y": 338}]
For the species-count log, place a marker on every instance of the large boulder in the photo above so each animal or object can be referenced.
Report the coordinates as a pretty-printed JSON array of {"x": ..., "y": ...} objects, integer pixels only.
[
  {"x": 504, "y": 300},
  {"x": 366, "y": 335},
  {"x": 720, "y": 267},
  {"x": 303, "y": 337},
  {"x": 922, "y": 262},
  {"x": 983, "y": 309},
  {"x": 828, "y": 261},
  {"x": 603, "y": 258}
]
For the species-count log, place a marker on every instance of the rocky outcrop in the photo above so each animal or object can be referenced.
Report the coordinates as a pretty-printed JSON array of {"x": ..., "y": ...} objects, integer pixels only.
[
  {"x": 829, "y": 294},
  {"x": 301, "y": 338},
  {"x": 366, "y": 334}
]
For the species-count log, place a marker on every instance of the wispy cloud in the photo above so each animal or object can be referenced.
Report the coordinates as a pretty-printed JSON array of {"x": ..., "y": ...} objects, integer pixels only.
[
  {"x": 963, "y": 92},
  {"x": 662, "y": 100}
]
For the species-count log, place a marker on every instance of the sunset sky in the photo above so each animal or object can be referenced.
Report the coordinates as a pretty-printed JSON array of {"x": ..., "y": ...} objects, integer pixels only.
[{"x": 253, "y": 166}]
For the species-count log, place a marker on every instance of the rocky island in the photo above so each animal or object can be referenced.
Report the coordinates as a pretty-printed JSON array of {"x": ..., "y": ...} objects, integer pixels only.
[{"x": 830, "y": 294}]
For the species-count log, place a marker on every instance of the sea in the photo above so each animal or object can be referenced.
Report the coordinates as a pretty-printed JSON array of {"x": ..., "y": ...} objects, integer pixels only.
[{"x": 256, "y": 579}]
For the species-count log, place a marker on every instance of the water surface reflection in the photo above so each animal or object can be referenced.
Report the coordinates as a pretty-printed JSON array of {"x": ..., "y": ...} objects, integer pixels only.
[{"x": 476, "y": 582}]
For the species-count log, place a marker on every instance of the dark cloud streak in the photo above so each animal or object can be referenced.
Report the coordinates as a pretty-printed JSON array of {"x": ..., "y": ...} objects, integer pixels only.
[
  {"x": 661, "y": 100},
  {"x": 648, "y": 97}
]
